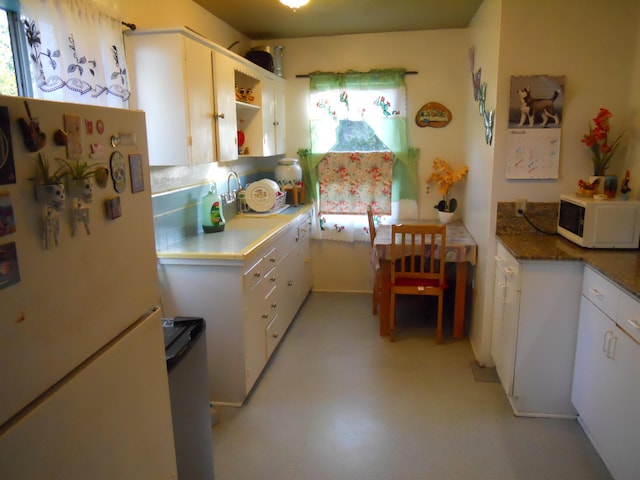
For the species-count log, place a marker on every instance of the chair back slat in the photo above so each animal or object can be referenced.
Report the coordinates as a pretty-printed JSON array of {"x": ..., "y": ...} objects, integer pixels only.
[{"x": 415, "y": 251}]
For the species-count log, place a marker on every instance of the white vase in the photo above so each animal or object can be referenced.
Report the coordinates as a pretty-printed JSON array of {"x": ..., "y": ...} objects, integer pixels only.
[
  {"x": 288, "y": 172},
  {"x": 445, "y": 217}
]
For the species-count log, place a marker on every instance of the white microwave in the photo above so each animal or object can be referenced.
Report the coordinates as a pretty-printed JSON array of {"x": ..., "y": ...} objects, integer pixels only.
[{"x": 591, "y": 223}]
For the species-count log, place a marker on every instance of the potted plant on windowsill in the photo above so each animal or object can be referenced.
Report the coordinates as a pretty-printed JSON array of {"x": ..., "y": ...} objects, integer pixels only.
[{"x": 444, "y": 177}]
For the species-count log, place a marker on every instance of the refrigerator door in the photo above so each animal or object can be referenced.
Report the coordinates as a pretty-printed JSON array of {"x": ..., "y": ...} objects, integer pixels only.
[
  {"x": 75, "y": 297},
  {"x": 109, "y": 419}
]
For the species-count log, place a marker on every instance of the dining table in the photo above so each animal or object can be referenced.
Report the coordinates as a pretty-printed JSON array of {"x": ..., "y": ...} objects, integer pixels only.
[{"x": 460, "y": 249}]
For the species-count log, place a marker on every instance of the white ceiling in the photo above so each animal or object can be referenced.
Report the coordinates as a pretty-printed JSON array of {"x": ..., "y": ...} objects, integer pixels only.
[{"x": 267, "y": 19}]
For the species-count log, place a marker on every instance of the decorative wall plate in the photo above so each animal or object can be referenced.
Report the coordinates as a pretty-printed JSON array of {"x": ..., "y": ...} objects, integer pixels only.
[{"x": 433, "y": 114}]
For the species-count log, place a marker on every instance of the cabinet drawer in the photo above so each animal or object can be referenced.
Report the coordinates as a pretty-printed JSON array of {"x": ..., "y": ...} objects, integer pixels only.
[
  {"x": 254, "y": 274},
  {"x": 274, "y": 333},
  {"x": 601, "y": 292},
  {"x": 270, "y": 306},
  {"x": 272, "y": 257},
  {"x": 629, "y": 316}
]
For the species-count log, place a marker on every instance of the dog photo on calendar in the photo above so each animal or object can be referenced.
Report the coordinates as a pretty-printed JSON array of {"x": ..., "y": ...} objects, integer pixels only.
[{"x": 536, "y": 101}]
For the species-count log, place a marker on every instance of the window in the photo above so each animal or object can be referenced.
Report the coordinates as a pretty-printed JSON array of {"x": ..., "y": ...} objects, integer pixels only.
[
  {"x": 63, "y": 50},
  {"x": 8, "y": 83},
  {"x": 359, "y": 154},
  {"x": 11, "y": 63}
]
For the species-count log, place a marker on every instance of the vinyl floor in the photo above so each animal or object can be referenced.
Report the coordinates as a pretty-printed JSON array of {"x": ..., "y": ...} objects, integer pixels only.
[{"x": 338, "y": 402}]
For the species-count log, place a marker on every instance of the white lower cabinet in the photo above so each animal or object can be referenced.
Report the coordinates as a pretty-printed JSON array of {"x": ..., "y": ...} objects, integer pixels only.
[
  {"x": 606, "y": 382},
  {"x": 247, "y": 305},
  {"x": 536, "y": 307}
]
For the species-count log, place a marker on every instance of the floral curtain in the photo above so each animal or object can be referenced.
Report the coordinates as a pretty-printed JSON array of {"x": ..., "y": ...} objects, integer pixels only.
[
  {"x": 359, "y": 153},
  {"x": 76, "y": 52}
]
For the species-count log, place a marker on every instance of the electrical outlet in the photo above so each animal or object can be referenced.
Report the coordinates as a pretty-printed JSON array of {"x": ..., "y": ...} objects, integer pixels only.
[
  {"x": 428, "y": 191},
  {"x": 521, "y": 205}
]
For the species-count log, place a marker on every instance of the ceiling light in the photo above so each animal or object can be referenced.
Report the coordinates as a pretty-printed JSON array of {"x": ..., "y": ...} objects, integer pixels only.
[{"x": 294, "y": 4}]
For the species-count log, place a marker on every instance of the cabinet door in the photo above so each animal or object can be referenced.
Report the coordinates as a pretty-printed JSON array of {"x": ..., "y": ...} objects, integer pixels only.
[
  {"x": 508, "y": 302},
  {"x": 157, "y": 71},
  {"x": 225, "y": 107},
  {"x": 199, "y": 78},
  {"x": 172, "y": 83},
  {"x": 280, "y": 117},
  {"x": 273, "y": 117},
  {"x": 606, "y": 390}
]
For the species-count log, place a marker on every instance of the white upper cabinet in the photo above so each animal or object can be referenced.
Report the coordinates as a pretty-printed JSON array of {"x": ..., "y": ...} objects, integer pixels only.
[
  {"x": 202, "y": 102},
  {"x": 225, "y": 112},
  {"x": 171, "y": 75},
  {"x": 273, "y": 117}
]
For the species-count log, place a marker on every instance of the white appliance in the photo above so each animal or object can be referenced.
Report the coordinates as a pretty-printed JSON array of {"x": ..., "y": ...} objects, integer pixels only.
[
  {"x": 84, "y": 390},
  {"x": 599, "y": 223}
]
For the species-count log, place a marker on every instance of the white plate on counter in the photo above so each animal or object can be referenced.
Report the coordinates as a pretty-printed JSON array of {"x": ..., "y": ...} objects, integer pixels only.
[{"x": 261, "y": 195}]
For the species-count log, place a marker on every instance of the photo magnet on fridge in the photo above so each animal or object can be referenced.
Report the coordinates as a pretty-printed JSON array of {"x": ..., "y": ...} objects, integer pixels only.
[
  {"x": 9, "y": 272},
  {"x": 7, "y": 167}
]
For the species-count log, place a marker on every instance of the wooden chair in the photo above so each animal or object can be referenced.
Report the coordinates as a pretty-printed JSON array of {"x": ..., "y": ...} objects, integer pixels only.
[
  {"x": 415, "y": 270},
  {"x": 377, "y": 278}
]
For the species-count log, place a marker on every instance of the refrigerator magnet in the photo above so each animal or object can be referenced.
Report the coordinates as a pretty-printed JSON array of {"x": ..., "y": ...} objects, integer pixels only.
[
  {"x": 7, "y": 167},
  {"x": 74, "y": 141},
  {"x": 112, "y": 206},
  {"x": 102, "y": 176},
  {"x": 135, "y": 169},
  {"x": 7, "y": 220},
  {"x": 117, "y": 172},
  {"x": 9, "y": 272}
]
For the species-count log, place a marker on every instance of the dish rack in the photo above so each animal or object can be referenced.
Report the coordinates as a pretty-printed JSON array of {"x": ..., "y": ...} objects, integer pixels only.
[
  {"x": 279, "y": 205},
  {"x": 281, "y": 200}
]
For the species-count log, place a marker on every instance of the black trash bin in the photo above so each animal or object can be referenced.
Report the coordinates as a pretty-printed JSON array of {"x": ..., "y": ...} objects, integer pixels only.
[{"x": 186, "y": 354}]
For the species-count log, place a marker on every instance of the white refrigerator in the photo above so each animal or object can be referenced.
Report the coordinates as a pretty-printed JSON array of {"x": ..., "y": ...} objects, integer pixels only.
[{"x": 84, "y": 389}]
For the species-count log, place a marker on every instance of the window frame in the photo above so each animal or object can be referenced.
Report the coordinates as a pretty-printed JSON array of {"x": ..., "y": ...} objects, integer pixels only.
[{"x": 19, "y": 52}]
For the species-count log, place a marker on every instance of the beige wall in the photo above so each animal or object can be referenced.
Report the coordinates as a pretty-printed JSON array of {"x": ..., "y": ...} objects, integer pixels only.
[
  {"x": 480, "y": 213},
  {"x": 440, "y": 59},
  {"x": 179, "y": 13},
  {"x": 592, "y": 43}
]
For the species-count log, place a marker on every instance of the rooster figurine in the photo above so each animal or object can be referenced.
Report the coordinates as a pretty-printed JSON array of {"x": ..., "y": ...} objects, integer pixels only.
[{"x": 586, "y": 189}]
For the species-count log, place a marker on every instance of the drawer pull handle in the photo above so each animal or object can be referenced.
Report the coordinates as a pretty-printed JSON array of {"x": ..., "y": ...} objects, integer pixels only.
[
  {"x": 290, "y": 283},
  {"x": 596, "y": 292},
  {"x": 257, "y": 274},
  {"x": 634, "y": 323},
  {"x": 274, "y": 305},
  {"x": 265, "y": 315},
  {"x": 611, "y": 348},
  {"x": 605, "y": 342},
  {"x": 272, "y": 259},
  {"x": 272, "y": 279},
  {"x": 275, "y": 335}
]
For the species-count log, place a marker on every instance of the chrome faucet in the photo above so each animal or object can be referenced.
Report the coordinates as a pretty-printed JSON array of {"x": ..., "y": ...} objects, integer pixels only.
[{"x": 232, "y": 195}]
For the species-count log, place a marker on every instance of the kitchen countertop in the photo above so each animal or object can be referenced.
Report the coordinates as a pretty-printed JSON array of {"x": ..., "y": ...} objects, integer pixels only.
[
  {"x": 242, "y": 235},
  {"x": 620, "y": 266}
]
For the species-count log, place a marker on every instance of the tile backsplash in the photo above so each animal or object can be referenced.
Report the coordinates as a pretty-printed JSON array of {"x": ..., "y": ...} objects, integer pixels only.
[{"x": 176, "y": 212}]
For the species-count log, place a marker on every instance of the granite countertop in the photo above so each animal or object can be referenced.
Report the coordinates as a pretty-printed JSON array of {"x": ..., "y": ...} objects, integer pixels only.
[
  {"x": 242, "y": 235},
  {"x": 620, "y": 266}
]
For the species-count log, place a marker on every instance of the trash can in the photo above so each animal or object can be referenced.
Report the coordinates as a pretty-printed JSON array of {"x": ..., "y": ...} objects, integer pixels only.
[{"x": 186, "y": 355}]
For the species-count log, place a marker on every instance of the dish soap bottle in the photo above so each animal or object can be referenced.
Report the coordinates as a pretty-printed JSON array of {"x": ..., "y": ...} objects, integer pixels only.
[{"x": 211, "y": 211}]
